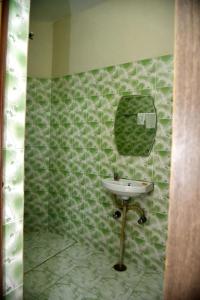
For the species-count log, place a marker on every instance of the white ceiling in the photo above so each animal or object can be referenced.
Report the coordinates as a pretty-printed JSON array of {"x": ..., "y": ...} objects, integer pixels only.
[{"x": 52, "y": 10}]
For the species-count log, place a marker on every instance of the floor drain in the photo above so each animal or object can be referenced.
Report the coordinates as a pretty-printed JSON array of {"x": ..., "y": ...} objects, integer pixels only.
[{"x": 119, "y": 267}]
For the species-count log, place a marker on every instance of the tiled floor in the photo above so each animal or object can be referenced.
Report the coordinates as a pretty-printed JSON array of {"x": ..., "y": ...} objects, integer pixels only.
[
  {"x": 60, "y": 269},
  {"x": 40, "y": 247}
]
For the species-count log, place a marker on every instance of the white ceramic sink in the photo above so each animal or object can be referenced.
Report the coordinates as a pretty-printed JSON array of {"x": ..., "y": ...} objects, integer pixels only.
[{"x": 126, "y": 189}]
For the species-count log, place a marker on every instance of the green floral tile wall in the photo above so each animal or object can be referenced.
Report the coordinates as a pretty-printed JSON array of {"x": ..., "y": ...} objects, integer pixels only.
[
  {"x": 70, "y": 141},
  {"x": 14, "y": 124},
  {"x": 37, "y": 142}
]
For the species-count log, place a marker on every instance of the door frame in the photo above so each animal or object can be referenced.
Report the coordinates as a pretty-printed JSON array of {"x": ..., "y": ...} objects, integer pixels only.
[
  {"x": 182, "y": 272},
  {"x": 3, "y": 47}
]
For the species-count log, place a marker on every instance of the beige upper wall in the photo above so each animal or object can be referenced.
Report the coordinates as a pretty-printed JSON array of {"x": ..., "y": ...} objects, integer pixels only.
[
  {"x": 112, "y": 32},
  {"x": 119, "y": 31},
  {"x": 40, "y": 50},
  {"x": 61, "y": 42}
]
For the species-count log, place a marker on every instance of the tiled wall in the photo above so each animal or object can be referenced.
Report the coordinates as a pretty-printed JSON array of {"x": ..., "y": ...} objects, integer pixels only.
[
  {"x": 37, "y": 143},
  {"x": 14, "y": 121},
  {"x": 80, "y": 151}
]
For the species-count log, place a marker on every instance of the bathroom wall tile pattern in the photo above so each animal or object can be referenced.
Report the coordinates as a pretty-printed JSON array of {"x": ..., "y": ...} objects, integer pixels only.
[
  {"x": 37, "y": 154},
  {"x": 13, "y": 147},
  {"x": 76, "y": 149},
  {"x": 36, "y": 205}
]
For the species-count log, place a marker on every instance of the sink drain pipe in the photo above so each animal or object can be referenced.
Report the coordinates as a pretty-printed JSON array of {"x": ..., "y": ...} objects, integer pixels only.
[
  {"x": 125, "y": 207},
  {"x": 120, "y": 266}
]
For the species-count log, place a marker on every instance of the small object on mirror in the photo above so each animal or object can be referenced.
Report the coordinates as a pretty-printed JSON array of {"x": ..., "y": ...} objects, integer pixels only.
[
  {"x": 140, "y": 118},
  {"x": 150, "y": 119}
]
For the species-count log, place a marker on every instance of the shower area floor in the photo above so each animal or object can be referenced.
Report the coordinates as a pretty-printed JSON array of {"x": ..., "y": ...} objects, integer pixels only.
[{"x": 62, "y": 269}]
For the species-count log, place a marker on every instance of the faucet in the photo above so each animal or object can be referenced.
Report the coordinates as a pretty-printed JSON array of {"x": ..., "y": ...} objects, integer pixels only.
[{"x": 116, "y": 176}]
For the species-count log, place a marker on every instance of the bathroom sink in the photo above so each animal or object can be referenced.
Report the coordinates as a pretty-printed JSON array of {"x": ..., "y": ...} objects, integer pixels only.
[{"x": 126, "y": 189}]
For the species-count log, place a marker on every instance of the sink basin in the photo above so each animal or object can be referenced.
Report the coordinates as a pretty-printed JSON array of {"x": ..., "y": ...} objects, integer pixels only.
[{"x": 126, "y": 189}]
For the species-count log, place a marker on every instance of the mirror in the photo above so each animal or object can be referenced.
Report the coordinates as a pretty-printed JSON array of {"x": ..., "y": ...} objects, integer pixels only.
[{"x": 135, "y": 125}]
